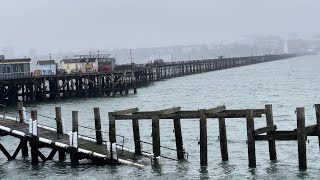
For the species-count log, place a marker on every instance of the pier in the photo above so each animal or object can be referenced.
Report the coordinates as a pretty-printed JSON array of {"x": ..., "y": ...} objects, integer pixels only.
[
  {"x": 121, "y": 81},
  {"x": 101, "y": 151}
]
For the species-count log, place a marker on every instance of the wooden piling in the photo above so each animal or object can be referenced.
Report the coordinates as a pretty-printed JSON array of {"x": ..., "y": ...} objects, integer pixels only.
[
  {"x": 97, "y": 122},
  {"x": 317, "y": 108},
  {"x": 301, "y": 136},
  {"x": 59, "y": 120},
  {"x": 34, "y": 142},
  {"x": 223, "y": 139},
  {"x": 250, "y": 138},
  {"x": 136, "y": 136},
  {"x": 156, "y": 135},
  {"x": 24, "y": 147},
  {"x": 178, "y": 136},
  {"x": 112, "y": 132},
  {"x": 20, "y": 111},
  {"x": 203, "y": 138},
  {"x": 73, "y": 150},
  {"x": 272, "y": 144}
]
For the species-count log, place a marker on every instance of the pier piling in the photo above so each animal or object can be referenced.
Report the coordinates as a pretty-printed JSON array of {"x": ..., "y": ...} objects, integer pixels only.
[
  {"x": 250, "y": 138},
  {"x": 301, "y": 136},
  {"x": 97, "y": 122},
  {"x": 271, "y": 143},
  {"x": 203, "y": 139}
]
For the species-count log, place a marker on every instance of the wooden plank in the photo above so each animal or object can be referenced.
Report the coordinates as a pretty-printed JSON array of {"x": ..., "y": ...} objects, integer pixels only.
[
  {"x": 265, "y": 129},
  {"x": 178, "y": 136},
  {"x": 124, "y": 112},
  {"x": 317, "y": 108},
  {"x": 170, "y": 110},
  {"x": 301, "y": 135},
  {"x": 215, "y": 109},
  {"x": 203, "y": 138},
  {"x": 250, "y": 139},
  {"x": 223, "y": 139},
  {"x": 275, "y": 137},
  {"x": 97, "y": 123},
  {"x": 156, "y": 135},
  {"x": 136, "y": 136},
  {"x": 271, "y": 143}
]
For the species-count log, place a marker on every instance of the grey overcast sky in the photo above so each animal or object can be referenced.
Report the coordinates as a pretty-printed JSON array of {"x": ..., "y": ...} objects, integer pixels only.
[{"x": 64, "y": 25}]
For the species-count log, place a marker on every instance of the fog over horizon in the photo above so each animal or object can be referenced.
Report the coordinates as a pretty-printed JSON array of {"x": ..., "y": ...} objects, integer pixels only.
[{"x": 63, "y": 26}]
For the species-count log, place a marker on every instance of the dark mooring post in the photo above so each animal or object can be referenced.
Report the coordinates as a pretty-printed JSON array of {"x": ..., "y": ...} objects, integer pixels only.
[
  {"x": 272, "y": 144},
  {"x": 136, "y": 136},
  {"x": 112, "y": 131},
  {"x": 73, "y": 150},
  {"x": 59, "y": 120},
  {"x": 97, "y": 122},
  {"x": 250, "y": 138},
  {"x": 156, "y": 135},
  {"x": 23, "y": 142},
  {"x": 301, "y": 136},
  {"x": 178, "y": 135},
  {"x": 223, "y": 139},
  {"x": 203, "y": 139},
  {"x": 317, "y": 107},
  {"x": 20, "y": 111},
  {"x": 34, "y": 140}
]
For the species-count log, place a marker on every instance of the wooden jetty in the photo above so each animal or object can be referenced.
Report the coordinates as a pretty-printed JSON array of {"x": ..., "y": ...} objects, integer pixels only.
[
  {"x": 120, "y": 81},
  {"x": 99, "y": 151}
]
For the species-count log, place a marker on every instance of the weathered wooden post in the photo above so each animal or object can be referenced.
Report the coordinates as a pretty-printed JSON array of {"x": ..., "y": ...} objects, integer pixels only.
[
  {"x": 59, "y": 121},
  {"x": 272, "y": 144},
  {"x": 23, "y": 142},
  {"x": 178, "y": 135},
  {"x": 223, "y": 139},
  {"x": 156, "y": 136},
  {"x": 97, "y": 122},
  {"x": 250, "y": 138},
  {"x": 20, "y": 111},
  {"x": 203, "y": 138},
  {"x": 34, "y": 137},
  {"x": 125, "y": 83},
  {"x": 74, "y": 139},
  {"x": 136, "y": 135},
  {"x": 112, "y": 132},
  {"x": 113, "y": 85},
  {"x": 317, "y": 108},
  {"x": 301, "y": 136},
  {"x": 134, "y": 81}
]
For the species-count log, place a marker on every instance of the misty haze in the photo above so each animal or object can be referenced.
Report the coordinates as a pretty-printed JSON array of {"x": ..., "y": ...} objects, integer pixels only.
[{"x": 165, "y": 89}]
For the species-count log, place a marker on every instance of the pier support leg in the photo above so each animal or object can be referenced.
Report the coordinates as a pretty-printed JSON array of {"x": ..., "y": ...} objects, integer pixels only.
[
  {"x": 62, "y": 155},
  {"x": 97, "y": 122},
  {"x": 223, "y": 139},
  {"x": 178, "y": 136},
  {"x": 272, "y": 144},
  {"x": 136, "y": 136},
  {"x": 317, "y": 107},
  {"x": 112, "y": 131},
  {"x": 203, "y": 139},
  {"x": 156, "y": 136},
  {"x": 24, "y": 148},
  {"x": 301, "y": 136},
  {"x": 59, "y": 121},
  {"x": 250, "y": 139},
  {"x": 34, "y": 141},
  {"x": 74, "y": 146}
]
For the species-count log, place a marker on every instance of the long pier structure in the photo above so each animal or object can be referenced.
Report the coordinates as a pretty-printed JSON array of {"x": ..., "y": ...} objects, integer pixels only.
[
  {"x": 112, "y": 151},
  {"x": 120, "y": 81}
]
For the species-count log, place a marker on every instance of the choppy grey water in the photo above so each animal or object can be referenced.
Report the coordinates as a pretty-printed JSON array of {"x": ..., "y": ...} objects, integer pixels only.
[{"x": 286, "y": 84}]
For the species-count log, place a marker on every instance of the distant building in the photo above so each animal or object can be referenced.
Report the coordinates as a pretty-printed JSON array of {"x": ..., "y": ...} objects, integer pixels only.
[
  {"x": 14, "y": 68},
  {"x": 47, "y": 67},
  {"x": 80, "y": 64},
  {"x": 106, "y": 64}
]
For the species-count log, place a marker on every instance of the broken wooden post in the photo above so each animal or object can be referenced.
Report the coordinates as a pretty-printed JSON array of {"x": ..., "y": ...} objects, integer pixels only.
[
  {"x": 136, "y": 136},
  {"x": 272, "y": 144},
  {"x": 74, "y": 139},
  {"x": 112, "y": 132},
  {"x": 178, "y": 135},
  {"x": 250, "y": 138},
  {"x": 223, "y": 139},
  {"x": 156, "y": 136},
  {"x": 203, "y": 138},
  {"x": 301, "y": 136},
  {"x": 317, "y": 108},
  {"x": 59, "y": 121},
  {"x": 97, "y": 122},
  {"x": 34, "y": 137}
]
